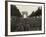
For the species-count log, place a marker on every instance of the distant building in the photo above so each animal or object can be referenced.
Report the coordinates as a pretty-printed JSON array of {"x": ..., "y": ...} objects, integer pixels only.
[{"x": 24, "y": 13}]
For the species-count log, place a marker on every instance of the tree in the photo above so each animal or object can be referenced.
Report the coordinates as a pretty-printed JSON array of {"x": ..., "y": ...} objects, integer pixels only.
[
  {"x": 37, "y": 12},
  {"x": 15, "y": 11},
  {"x": 33, "y": 14}
]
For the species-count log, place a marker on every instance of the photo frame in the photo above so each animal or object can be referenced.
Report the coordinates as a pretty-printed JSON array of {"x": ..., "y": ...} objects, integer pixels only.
[{"x": 13, "y": 28}]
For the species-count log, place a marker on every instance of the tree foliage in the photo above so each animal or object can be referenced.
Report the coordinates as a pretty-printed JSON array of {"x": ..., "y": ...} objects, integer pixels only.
[
  {"x": 36, "y": 13},
  {"x": 15, "y": 11}
]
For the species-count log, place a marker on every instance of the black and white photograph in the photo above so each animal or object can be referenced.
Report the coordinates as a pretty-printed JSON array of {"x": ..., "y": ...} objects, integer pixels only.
[{"x": 25, "y": 18}]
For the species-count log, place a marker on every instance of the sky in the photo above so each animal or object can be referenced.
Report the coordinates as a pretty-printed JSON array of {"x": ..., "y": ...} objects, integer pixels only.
[{"x": 27, "y": 8}]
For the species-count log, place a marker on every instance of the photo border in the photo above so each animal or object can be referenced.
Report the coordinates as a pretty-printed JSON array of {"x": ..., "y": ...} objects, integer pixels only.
[{"x": 6, "y": 18}]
